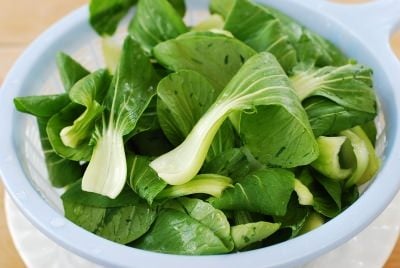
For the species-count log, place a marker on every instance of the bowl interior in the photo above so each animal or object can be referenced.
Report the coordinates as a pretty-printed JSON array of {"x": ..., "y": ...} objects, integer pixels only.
[{"x": 40, "y": 77}]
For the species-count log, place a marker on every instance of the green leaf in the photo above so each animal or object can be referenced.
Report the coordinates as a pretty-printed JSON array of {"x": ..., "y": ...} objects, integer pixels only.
[
  {"x": 217, "y": 57},
  {"x": 314, "y": 49},
  {"x": 221, "y": 7},
  {"x": 150, "y": 143},
  {"x": 60, "y": 120},
  {"x": 105, "y": 15},
  {"x": 61, "y": 172},
  {"x": 246, "y": 234},
  {"x": 179, "y": 6},
  {"x": 155, "y": 21},
  {"x": 349, "y": 85},
  {"x": 232, "y": 163},
  {"x": 266, "y": 191},
  {"x": 329, "y": 118},
  {"x": 198, "y": 230},
  {"x": 126, "y": 224},
  {"x": 143, "y": 179},
  {"x": 183, "y": 98},
  {"x": 211, "y": 184},
  {"x": 262, "y": 31},
  {"x": 41, "y": 106},
  {"x": 70, "y": 70},
  {"x": 328, "y": 162},
  {"x": 88, "y": 92},
  {"x": 207, "y": 215},
  {"x": 367, "y": 162},
  {"x": 295, "y": 218},
  {"x": 131, "y": 92},
  {"x": 260, "y": 82},
  {"x": 74, "y": 194},
  {"x": 89, "y": 218}
]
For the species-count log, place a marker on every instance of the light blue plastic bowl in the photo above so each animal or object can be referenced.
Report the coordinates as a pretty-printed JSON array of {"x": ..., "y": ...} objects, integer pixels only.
[{"x": 362, "y": 31}]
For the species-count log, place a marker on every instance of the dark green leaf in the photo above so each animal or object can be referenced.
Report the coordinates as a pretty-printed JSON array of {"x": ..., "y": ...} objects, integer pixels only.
[
  {"x": 314, "y": 49},
  {"x": 295, "y": 217},
  {"x": 232, "y": 163},
  {"x": 155, "y": 21},
  {"x": 150, "y": 143},
  {"x": 132, "y": 88},
  {"x": 41, "y": 106},
  {"x": 143, "y": 179},
  {"x": 265, "y": 191},
  {"x": 61, "y": 171},
  {"x": 262, "y": 31},
  {"x": 329, "y": 118},
  {"x": 61, "y": 120},
  {"x": 126, "y": 224},
  {"x": 179, "y": 6},
  {"x": 197, "y": 230},
  {"x": 216, "y": 57},
  {"x": 89, "y": 218},
  {"x": 76, "y": 195},
  {"x": 105, "y": 15},
  {"x": 70, "y": 70}
]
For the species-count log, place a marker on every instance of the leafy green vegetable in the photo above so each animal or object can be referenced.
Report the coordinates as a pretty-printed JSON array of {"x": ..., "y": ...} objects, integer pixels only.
[
  {"x": 222, "y": 7},
  {"x": 295, "y": 217},
  {"x": 348, "y": 85},
  {"x": 211, "y": 184},
  {"x": 199, "y": 230},
  {"x": 314, "y": 49},
  {"x": 217, "y": 57},
  {"x": 329, "y": 118},
  {"x": 74, "y": 194},
  {"x": 106, "y": 15},
  {"x": 41, "y": 106},
  {"x": 70, "y": 70},
  {"x": 126, "y": 224},
  {"x": 129, "y": 95},
  {"x": 86, "y": 217},
  {"x": 183, "y": 98},
  {"x": 262, "y": 31},
  {"x": 313, "y": 221},
  {"x": 57, "y": 123},
  {"x": 61, "y": 171},
  {"x": 260, "y": 81},
  {"x": 276, "y": 185},
  {"x": 328, "y": 162},
  {"x": 367, "y": 162},
  {"x": 232, "y": 163},
  {"x": 247, "y": 234},
  {"x": 199, "y": 143},
  {"x": 213, "y": 23},
  {"x": 155, "y": 21},
  {"x": 142, "y": 179},
  {"x": 179, "y": 6},
  {"x": 88, "y": 92}
]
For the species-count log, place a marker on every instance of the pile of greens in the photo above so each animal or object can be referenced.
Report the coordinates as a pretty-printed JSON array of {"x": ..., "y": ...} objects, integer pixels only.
[{"x": 237, "y": 133}]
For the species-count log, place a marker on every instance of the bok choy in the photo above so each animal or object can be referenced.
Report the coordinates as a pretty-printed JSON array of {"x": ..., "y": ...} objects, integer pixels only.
[{"x": 240, "y": 131}]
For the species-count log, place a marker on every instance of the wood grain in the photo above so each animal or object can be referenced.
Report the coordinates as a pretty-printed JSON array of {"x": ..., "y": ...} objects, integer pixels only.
[{"x": 20, "y": 22}]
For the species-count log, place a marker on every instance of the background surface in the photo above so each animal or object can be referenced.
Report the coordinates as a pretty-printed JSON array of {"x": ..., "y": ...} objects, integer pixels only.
[{"x": 20, "y": 22}]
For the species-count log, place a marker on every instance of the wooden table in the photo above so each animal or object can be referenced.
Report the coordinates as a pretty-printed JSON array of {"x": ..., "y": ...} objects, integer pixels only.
[{"x": 20, "y": 22}]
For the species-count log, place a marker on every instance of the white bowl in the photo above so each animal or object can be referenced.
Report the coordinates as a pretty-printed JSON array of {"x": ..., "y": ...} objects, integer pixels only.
[{"x": 361, "y": 31}]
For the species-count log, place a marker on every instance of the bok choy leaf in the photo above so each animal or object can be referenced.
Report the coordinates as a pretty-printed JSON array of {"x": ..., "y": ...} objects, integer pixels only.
[
  {"x": 129, "y": 95},
  {"x": 260, "y": 82}
]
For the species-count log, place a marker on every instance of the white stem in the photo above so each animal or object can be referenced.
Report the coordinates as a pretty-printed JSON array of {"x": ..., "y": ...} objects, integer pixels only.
[{"x": 106, "y": 173}]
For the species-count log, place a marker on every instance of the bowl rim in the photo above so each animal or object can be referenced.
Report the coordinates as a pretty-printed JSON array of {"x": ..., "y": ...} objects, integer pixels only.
[{"x": 108, "y": 253}]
